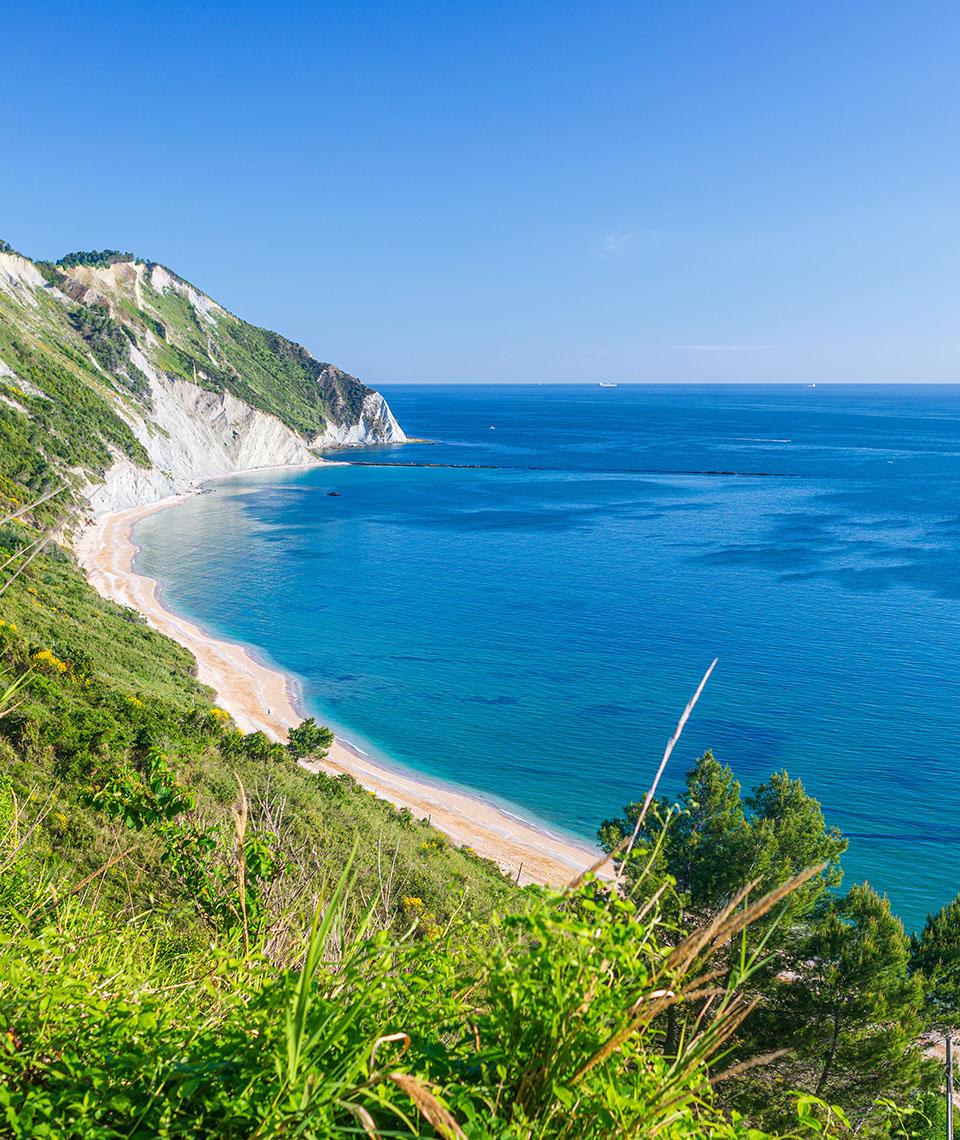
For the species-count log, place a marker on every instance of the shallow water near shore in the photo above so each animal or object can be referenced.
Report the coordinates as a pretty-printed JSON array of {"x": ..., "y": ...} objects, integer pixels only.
[{"x": 529, "y": 621}]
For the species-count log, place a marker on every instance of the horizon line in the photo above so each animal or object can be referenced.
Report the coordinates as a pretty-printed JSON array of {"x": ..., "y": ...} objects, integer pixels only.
[{"x": 666, "y": 383}]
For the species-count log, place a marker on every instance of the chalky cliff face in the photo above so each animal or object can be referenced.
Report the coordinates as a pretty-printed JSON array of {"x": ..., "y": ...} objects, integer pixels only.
[{"x": 137, "y": 385}]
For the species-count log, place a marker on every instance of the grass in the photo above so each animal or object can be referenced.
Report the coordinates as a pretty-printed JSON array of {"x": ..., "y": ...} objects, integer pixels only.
[{"x": 538, "y": 1022}]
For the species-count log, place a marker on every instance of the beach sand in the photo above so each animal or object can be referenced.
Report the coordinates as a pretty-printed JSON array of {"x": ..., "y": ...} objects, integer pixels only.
[{"x": 259, "y": 697}]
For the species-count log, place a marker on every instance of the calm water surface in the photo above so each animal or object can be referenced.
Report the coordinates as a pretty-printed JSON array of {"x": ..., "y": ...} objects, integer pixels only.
[{"x": 531, "y": 627}]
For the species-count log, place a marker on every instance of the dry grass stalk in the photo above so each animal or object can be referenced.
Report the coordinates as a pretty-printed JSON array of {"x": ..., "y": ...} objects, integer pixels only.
[
  {"x": 112, "y": 862},
  {"x": 32, "y": 506},
  {"x": 12, "y": 843},
  {"x": 19, "y": 553},
  {"x": 736, "y": 923},
  {"x": 686, "y": 1065},
  {"x": 429, "y": 1106},
  {"x": 654, "y": 1004},
  {"x": 650, "y": 903},
  {"x": 707, "y": 940},
  {"x": 746, "y": 1066},
  {"x": 698, "y": 985},
  {"x": 386, "y": 881},
  {"x": 723, "y": 1027},
  {"x": 13, "y": 577},
  {"x": 687, "y": 951},
  {"x": 367, "y": 1123},
  {"x": 404, "y": 1037},
  {"x": 241, "y": 815},
  {"x": 626, "y": 845},
  {"x": 652, "y": 790},
  {"x": 729, "y": 921},
  {"x": 762, "y": 906}
]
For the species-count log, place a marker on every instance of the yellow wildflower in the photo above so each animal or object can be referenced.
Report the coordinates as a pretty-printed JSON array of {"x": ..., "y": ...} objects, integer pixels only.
[
  {"x": 426, "y": 921},
  {"x": 430, "y": 928},
  {"x": 48, "y": 660}
]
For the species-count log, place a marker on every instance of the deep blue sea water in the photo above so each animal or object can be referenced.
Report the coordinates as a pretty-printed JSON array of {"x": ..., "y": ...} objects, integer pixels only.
[{"x": 532, "y": 628}]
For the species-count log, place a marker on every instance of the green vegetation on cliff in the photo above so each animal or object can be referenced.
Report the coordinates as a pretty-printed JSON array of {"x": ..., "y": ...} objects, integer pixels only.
[
  {"x": 80, "y": 339},
  {"x": 190, "y": 337},
  {"x": 58, "y": 410},
  {"x": 101, "y": 258}
]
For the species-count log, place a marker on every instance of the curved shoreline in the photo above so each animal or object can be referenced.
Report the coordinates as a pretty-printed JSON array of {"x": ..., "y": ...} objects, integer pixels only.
[{"x": 260, "y": 697}]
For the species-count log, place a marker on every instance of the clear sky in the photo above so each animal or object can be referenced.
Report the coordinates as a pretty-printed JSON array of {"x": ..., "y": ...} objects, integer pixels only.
[{"x": 514, "y": 192}]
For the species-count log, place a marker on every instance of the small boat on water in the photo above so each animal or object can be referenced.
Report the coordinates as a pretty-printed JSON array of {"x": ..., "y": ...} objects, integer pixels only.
[{"x": 607, "y": 384}]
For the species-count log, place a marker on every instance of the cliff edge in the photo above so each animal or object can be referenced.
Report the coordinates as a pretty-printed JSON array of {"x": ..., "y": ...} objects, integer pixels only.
[{"x": 122, "y": 379}]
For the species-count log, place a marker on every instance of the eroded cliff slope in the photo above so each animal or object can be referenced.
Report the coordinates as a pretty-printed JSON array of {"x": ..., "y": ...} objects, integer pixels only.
[{"x": 126, "y": 381}]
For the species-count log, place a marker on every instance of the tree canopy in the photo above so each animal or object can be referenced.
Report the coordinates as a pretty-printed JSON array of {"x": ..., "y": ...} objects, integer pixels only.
[
  {"x": 936, "y": 954},
  {"x": 309, "y": 739}
]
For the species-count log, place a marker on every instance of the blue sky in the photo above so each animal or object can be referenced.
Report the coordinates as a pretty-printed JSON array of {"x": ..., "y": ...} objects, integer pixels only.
[{"x": 515, "y": 192}]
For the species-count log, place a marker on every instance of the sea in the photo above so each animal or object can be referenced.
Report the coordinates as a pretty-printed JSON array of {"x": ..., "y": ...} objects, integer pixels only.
[{"x": 522, "y": 604}]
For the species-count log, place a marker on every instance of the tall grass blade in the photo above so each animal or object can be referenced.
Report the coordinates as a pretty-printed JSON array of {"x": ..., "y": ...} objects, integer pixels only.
[
  {"x": 626, "y": 845},
  {"x": 296, "y": 1022}
]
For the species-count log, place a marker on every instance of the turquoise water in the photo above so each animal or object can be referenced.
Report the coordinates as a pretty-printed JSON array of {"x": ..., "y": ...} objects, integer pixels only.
[{"x": 530, "y": 624}]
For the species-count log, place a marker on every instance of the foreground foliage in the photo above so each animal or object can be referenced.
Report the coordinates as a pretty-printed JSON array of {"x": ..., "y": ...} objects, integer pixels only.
[
  {"x": 181, "y": 953},
  {"x": 541, "y": 1022}
]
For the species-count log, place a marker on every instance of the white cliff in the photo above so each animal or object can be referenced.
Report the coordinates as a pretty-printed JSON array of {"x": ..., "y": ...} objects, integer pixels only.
[
  {"x": 377, "y": 424},
  {"x": 191, "y": 431},
  {"x": 193, "y": 434},
  {"x": 19, "y": 278}
]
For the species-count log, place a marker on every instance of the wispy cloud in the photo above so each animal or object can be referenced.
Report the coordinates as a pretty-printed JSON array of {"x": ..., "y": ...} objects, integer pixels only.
[
  {"x": 613, "y": 243},
  {"x": 723, "y": 347}
]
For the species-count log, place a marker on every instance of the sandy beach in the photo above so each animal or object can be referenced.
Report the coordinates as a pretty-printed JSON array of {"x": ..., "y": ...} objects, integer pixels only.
[{"x": 258, "y": 697}]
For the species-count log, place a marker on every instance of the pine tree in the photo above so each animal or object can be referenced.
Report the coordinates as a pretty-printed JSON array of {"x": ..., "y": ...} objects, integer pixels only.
[
  {"x": 836, "y": 989},
  {"x": 309, "y": 739},
  {"x": 788, "y": 835},
  {"x": 936, "y": 954},
  {"x": 848, "y": 1007},
  {"x": 709, "y": 845},
  {"x": 717, "y": 842}
]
